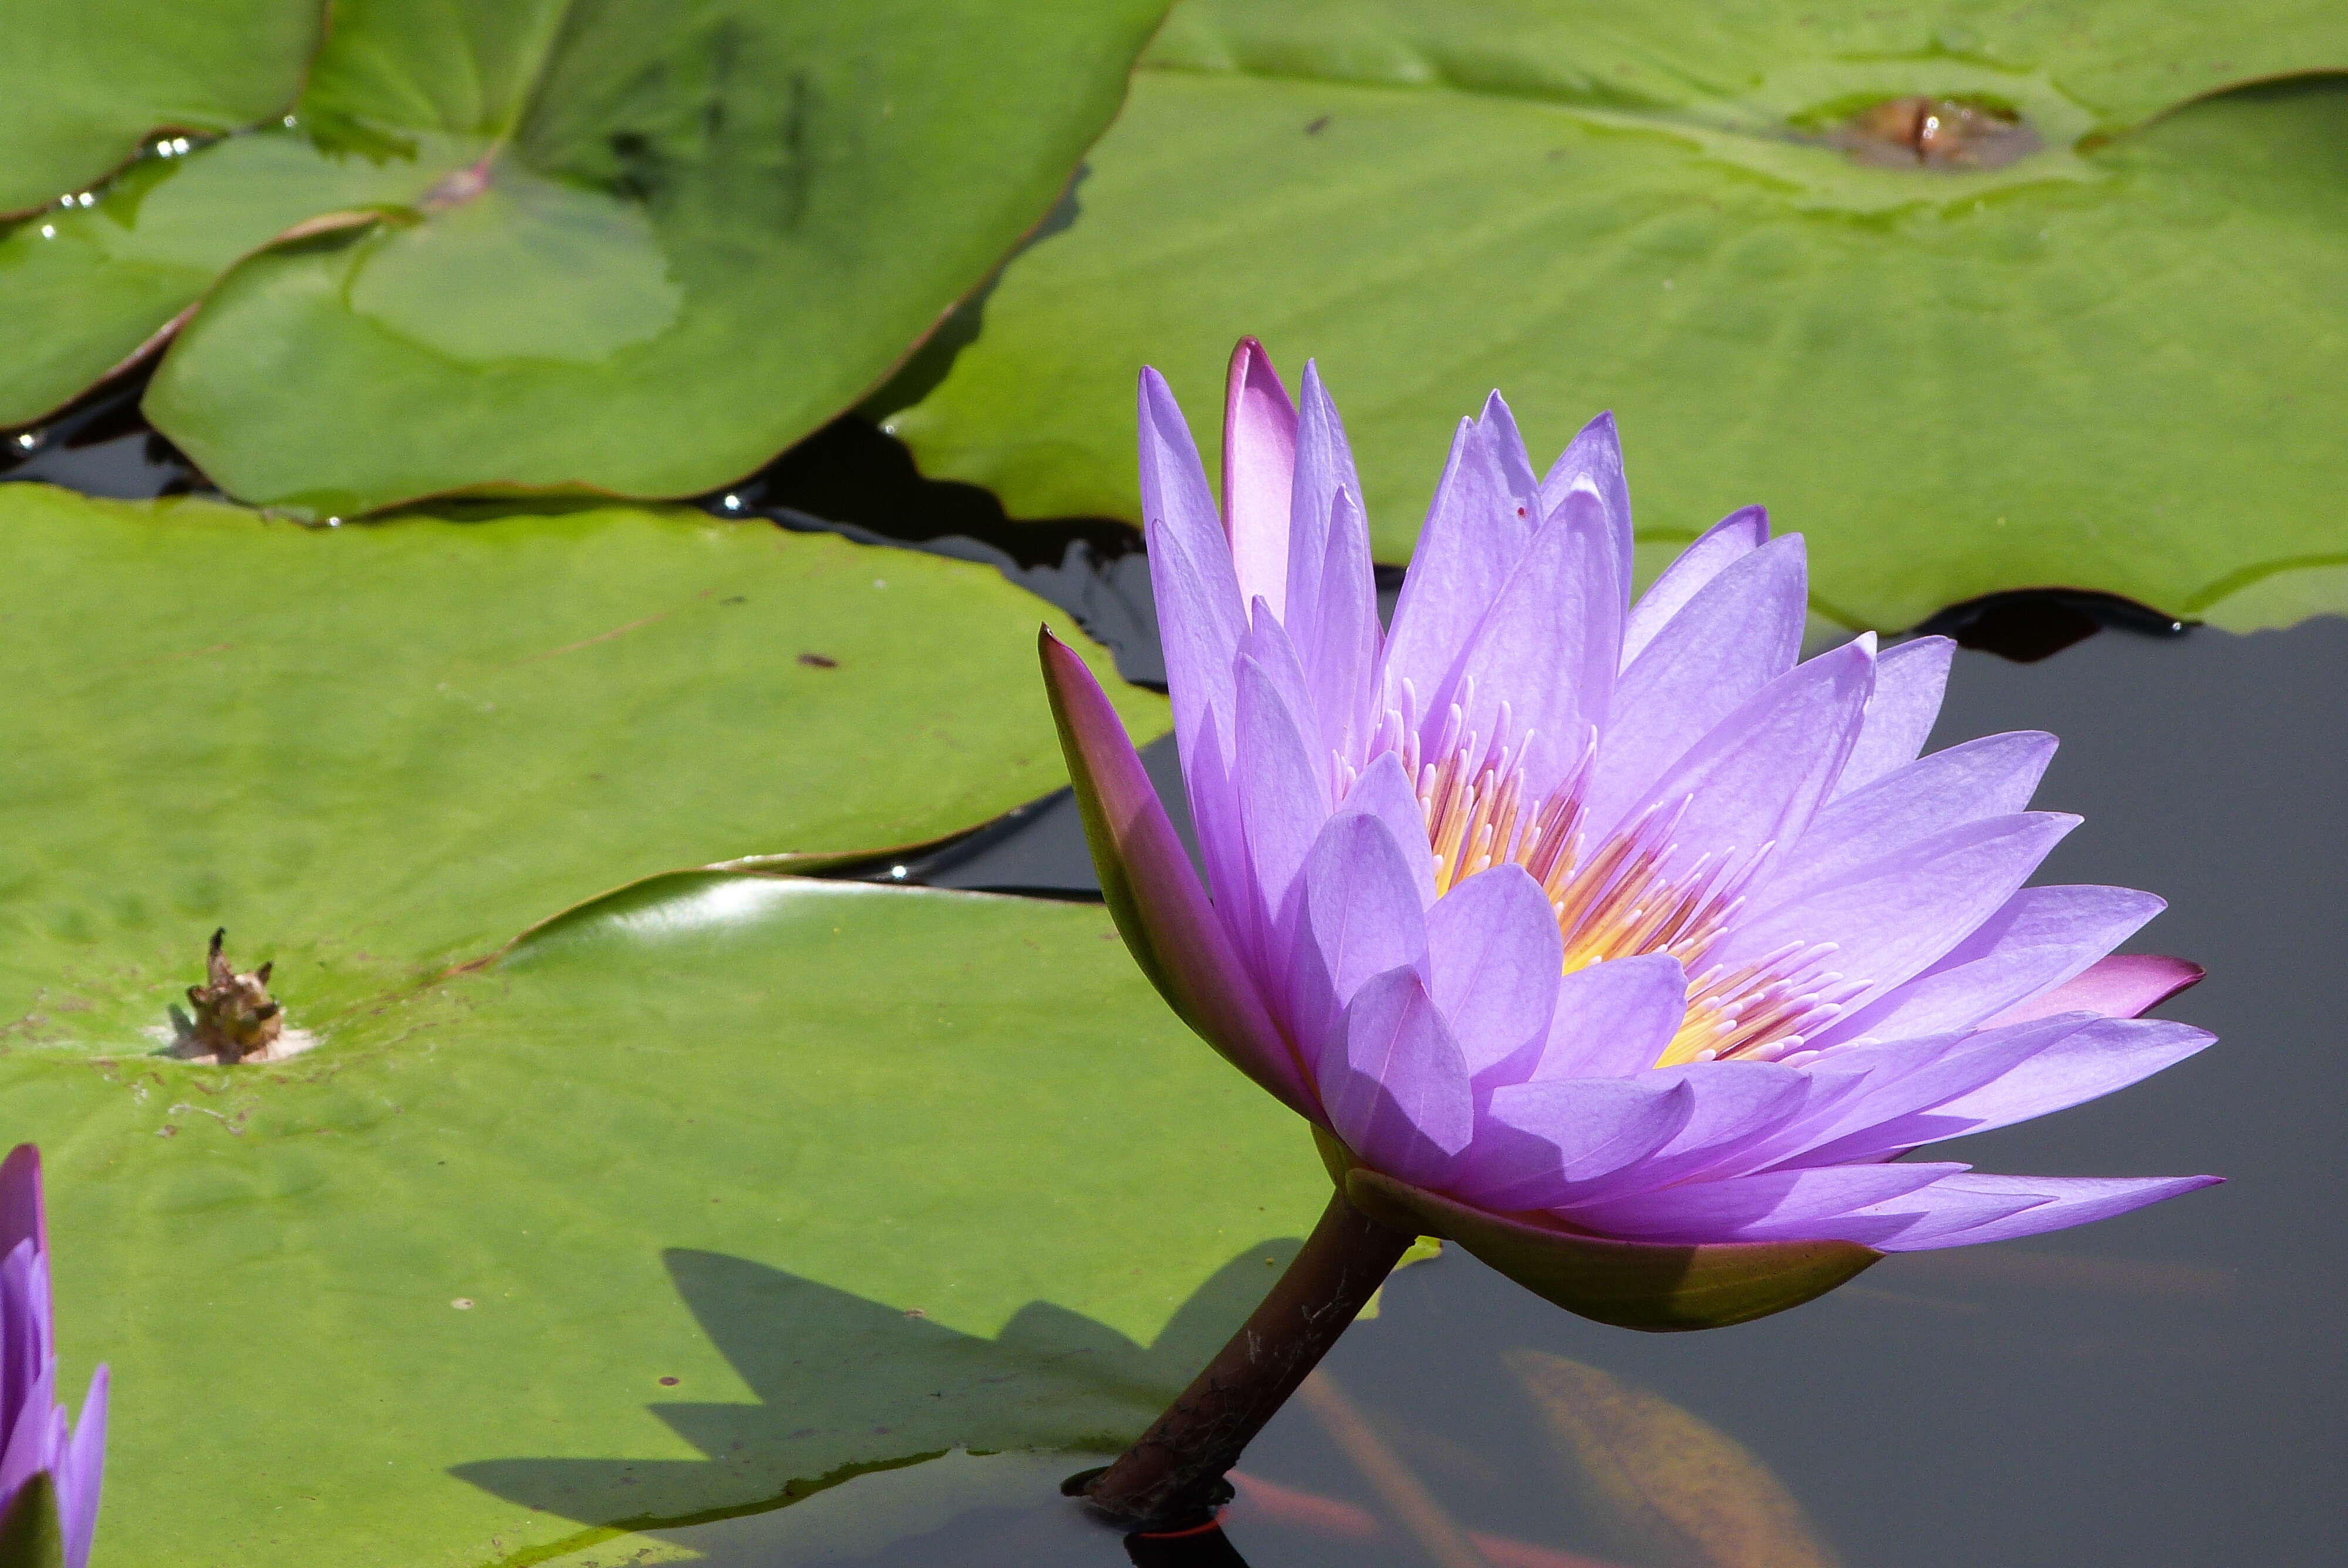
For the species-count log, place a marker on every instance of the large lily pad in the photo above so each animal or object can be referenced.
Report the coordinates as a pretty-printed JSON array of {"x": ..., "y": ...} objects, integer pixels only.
[
  {"x": 374, "y": 751},
  {"x": 632, "y": 246},
  {"x": 83, "y": 82},
  {"x": 2111, "y": 364},
  {"x": 706, "y": 1196}
]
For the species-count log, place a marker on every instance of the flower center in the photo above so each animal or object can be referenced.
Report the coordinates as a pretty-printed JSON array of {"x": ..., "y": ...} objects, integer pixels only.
[{"x": 1622, "y": 897}]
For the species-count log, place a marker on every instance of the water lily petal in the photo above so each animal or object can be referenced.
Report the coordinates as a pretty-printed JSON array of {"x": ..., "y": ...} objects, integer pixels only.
[
  {"x": 21, "y": 1214},
  {"x": 1909, "y": 680},
  {"x": 82, "y": 1470},
  {"x": 1475, "y": 532},
  {"x": 1761, "y": 772},
  {"x": 2124, "y": 985},
  {"x": 1556, "y": 614},
  {"x": 1259, "y": 467},
  {"x": 1284, "y": 794},
  {"x": 1593, "y": 459},
  {"x": 2087, "y": 1063},
  {"x": 1341, "y": 634},
  {"x": 1362, "y": 917},
  {"x": 2037, "y": 940},
  {"x": 1771, "y": 1205},
  {"x": 2066, "y": 1201},
  {"x": 1152, "y": 892},
  {"x": 1538, "y": 1144},
  {"x": 1383, "y": 791},
  {"x": 1902, "y": 1079},
  {"x": 1727, "y": 541},
  {"x": 1495, "y": 958},
  {"x": 1613, "y": 1020},
  {"x": 1888, "y": 920},
  {"x": 1200, "y": 619},
  {"x": 1992, "y": 776},
  {"x": 1743, "y": 630},
  {"x": 1398, "y": 1093}
]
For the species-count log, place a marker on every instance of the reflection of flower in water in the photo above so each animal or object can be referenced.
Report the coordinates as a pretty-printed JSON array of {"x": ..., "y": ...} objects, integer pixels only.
[
  {"x": 1562, "y": 916},
  {"x": 1671, "y": 1491}
]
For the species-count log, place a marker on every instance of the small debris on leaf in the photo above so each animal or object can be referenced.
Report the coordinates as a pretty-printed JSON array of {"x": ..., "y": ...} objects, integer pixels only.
[
  {"x": 1937, "y": 133},
  {"x": 820, "y": 660},
  {"x": 236, "y": 1020}
]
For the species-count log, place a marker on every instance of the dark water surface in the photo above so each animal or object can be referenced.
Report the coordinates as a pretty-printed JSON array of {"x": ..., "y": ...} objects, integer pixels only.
[{"x": 2164, "y": 1390}]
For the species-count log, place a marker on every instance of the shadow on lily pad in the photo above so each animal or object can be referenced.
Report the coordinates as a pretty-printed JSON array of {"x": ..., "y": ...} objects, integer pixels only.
[{"x": 846, "y": 1386}]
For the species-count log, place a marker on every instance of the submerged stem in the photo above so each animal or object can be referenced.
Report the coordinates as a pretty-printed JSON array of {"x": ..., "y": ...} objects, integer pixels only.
[{"x": 1171, "y": 1475}]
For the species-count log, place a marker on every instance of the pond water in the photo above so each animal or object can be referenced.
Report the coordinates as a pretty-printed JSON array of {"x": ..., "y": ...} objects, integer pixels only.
[{"x": 2167, "y": 1389}]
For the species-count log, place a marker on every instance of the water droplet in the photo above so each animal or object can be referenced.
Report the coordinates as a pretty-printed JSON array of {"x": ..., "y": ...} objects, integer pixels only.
[
  {"x": 48, "y": 231},
  {"x": 28, "y": 440},
  {"x": 898, "y": 872},
  {"x": 732, "y": 503}
]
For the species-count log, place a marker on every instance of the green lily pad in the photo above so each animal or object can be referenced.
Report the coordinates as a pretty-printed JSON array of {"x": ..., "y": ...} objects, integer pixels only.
[
  {"x": 375, "y": 751},
  {"x": 2110, "y": 365},
  {"x": 720, "y": 1191},
  {"x": 84, "y": 82},
  {"x": 631, "y": 248}
]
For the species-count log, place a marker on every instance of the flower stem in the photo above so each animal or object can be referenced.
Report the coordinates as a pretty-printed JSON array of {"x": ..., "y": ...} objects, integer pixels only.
[{"x": 1173, "y": 1475}]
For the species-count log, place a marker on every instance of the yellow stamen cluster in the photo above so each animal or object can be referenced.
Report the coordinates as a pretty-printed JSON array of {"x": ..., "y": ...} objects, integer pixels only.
[{"x": 1619, "y": 902}]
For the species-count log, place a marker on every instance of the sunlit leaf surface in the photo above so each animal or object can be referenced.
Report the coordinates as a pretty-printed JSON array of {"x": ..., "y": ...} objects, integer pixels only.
[
  {"x": 700, "y": 1200},
  {"x": 84, "y": 82},
  {"x": 2110, "y": 363},
  {"x": 373, "y": 751},
  {"x": 634, "y": 246}
]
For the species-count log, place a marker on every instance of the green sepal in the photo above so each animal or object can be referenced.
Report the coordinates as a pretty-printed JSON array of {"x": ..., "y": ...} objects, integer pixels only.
[{"x": 1632, "y": 1285}]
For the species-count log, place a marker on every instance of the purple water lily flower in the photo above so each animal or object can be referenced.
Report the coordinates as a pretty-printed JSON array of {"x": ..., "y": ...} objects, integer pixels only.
[
  {"x": 1599, "y": 935},
  {"x": 49, "y": 1474}
]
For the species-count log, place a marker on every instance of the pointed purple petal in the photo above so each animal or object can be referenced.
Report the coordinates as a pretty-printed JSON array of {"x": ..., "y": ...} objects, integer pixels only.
[
  {"x": 1757, "y": 779},
  {"x": 1593, "y": 459},
  {"x": 1992, "y": 776},
  {"x": 1340, "y": 636},
  {"x": 1614, "y": 1019},
  {"x": 1908, "y": 682},
  {"x": 1904, "y": 1078},
  {"x": 21, "y": 1216},
  {"x": 2087, "y": 1063},
  {"x": 1151, "y": 891},
  {"x": 1887, "y": 921},
  {"x": 1362, "y": 917},
  {"x": 2066, "y": 1201},
  {"x": 1474, "y": 531},
  {"x": 1549, "y": 649},
  {"x": 2038, "y": 939},
  {"x": 1540, "y": 1144},
  {"x": 1383, "y": 791},
  {"x": 1200, "y": 615},
  {"x": 1773, "y": 1206},
  {"x": 2125, "y": 985},
  {"x": 1325, "y": 465},
  {"x": 1723, "y": 544},
  {"x": 1495, "y": 957},
  {"x": 1259, "y": 466},
  {"x": 1741, "y": 632},
  {"x": 82, "y": 1472},
  {"x": 1499, "y": 424},
  {"x": 1283, "y": 800},
  {"x": 1398, "y": 1093}
]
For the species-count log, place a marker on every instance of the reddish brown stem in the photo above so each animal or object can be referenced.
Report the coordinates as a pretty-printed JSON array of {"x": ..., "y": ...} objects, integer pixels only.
[{"x": 1173, "y": 1476}]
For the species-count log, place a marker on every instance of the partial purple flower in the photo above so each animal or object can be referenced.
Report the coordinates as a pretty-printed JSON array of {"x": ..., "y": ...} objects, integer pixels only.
[
  {"x": 49, "y": 1471},
  {"x": 1599, "y": 935}
]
